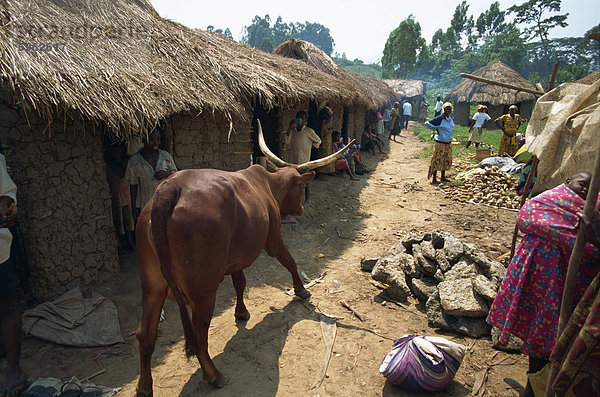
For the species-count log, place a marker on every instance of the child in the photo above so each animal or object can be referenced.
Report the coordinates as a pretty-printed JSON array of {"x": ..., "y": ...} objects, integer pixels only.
[
  {"x": 476, "y": 129},
  {"x": 342, "y": 163}
]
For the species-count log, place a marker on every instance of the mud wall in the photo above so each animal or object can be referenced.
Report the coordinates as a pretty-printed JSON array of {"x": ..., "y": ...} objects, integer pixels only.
[
  {"x": 201, "y": 141},
  {"x": 64, "y": 207}
]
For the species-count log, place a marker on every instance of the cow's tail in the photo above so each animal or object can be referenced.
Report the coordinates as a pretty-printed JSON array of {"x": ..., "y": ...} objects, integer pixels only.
[{"x": 163, "y": 205}]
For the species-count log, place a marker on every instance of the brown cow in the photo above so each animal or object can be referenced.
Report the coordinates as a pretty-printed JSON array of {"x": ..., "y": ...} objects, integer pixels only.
[{"x": 201, "y": 225}]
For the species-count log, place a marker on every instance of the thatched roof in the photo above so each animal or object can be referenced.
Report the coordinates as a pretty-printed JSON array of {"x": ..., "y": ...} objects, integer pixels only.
[
  {"x": 406, "y": 88},
  {"x": 373, "y": 92},
  {"x": 477, "y": 92},
  {"x": 274, "y": 79},
  {"x": 118, "y": 62}
]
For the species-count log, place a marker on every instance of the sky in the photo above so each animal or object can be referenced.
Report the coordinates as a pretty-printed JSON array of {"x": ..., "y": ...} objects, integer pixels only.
[{"x": 359, "y": 28}]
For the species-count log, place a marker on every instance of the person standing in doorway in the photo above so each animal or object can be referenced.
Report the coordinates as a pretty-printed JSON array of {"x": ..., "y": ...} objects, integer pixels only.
[
  {"x": 298, "y": 140},
  {"x": 121, "y": 197},
  {"x": 326, "y": 125},
  {"x": 146, "y": 170}
]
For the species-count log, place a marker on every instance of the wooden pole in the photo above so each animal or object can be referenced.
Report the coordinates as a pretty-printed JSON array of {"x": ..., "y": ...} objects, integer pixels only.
[
  {"x": 553, "y": 76},
  {"x": 528, "y": 185},
  {"x": 498, "y": 83},
  {"x": 566, "y": 305}
]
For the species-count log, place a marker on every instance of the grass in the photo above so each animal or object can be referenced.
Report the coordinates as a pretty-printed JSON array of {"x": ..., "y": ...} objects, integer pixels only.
[{"x": 491, "y": 139}]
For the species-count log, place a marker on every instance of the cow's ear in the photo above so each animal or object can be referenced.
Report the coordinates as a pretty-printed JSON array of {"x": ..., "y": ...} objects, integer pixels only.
[
  {"x": 305, "y": 178},
  {"x": 271, "y": 167}
]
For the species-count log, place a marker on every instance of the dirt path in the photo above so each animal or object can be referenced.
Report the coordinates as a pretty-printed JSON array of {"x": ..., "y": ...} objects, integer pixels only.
[{"x": 280, "y": 350}]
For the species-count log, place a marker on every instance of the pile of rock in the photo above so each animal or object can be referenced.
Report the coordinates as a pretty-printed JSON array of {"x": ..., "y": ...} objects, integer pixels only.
[
  {"x": 455, "y": 281},
  {"x": 490, "y": 186}
]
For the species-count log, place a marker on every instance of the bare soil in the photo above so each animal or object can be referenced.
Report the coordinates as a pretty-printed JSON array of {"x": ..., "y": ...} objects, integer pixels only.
[{"x": 280, "y": 350}]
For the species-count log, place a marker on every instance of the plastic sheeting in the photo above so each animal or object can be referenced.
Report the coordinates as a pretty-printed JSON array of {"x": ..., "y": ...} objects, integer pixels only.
[
  {"x": 74, "y": 320},
  {"x": 564, "y": 132},
  {"x": 505, "y": 164}
]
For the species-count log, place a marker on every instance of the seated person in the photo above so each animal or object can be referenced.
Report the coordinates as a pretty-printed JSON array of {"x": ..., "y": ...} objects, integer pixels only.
[
  {"x": 341, "y": 164},
  {"x": 369, "y": 141}
]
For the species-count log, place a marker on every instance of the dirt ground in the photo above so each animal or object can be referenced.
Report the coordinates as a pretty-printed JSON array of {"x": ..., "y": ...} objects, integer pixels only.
[{"x": 280, "y": 350}]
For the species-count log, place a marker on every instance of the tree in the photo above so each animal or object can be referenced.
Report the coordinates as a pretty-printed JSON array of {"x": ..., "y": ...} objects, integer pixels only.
[
  {"x": 400, "y": 51},
  {"x": 532, "y": 13},
  {"x": 507, "y": 46},
  {"x": 491, "y": 21},
  {"x": 261, "y": 35},
  {"x": 460, "y": 25},
  {"x": 317, "y": 34},
  {"x": 259, "y": 32}
]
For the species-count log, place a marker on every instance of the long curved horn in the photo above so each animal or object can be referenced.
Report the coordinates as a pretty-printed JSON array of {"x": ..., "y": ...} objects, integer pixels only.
[
  {"x": 311, "y": 165},
  {"x": 267, "y": 152}
]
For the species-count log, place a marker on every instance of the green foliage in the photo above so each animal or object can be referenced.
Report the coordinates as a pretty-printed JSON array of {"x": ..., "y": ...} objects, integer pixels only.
[
  {"x": 226, "y": 32},
  {"x": 260, "y": 34},
  {"x": 491, "y": 21},
  {"x": 468, "y": 44},
  {"x": 401, "y": 49},
  {"x": 532, "y": 14},
  {"x": 359, "y": 67}
]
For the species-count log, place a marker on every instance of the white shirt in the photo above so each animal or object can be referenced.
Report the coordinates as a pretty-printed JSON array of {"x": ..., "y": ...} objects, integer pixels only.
[
  {"x": 438, "y": 106},
  {"x": 139, "y": 172},
  {"x": 7, "y": 188},
  {"x": 407, "y": 109},
  {"x": 480, "y": 118},
  {"x": 298, "y": 143}
]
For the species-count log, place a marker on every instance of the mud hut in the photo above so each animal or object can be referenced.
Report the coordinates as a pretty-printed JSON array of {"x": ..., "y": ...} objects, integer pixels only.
[
  {"x": 351, "y": 115},
  {"x": 497, "y": 99},
  {"x": 73, "y": 74},
  {"x": 411, "y": 90}
]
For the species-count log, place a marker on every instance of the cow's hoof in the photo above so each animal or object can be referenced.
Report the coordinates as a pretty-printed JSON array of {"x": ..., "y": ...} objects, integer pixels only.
[
  {"x": 301, "y": 292},
  {"x": 221, "y": 381},
  {"x": 242, "y": 316}
]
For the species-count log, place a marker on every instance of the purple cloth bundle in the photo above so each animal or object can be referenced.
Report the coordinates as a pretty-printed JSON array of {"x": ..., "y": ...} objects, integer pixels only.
[{"x": 422, "y": 363}]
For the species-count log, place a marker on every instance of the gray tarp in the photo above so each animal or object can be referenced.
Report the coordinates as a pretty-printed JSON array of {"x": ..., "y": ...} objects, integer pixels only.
[
  {"x": 74, "y": 320},
  {"x": 564, "y": 132}
]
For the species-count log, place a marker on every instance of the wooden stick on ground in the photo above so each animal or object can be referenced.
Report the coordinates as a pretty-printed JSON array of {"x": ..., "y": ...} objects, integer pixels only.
[
  {"x": 93, "y": 375},
  {"x": 500, "y": 84},
  {"x": 526, "y": 188},
  {"x": 352, "y": 310},
  {"x": 566, "y": 306}
]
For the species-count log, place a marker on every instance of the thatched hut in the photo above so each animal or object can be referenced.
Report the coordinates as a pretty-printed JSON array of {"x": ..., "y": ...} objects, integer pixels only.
[
  {"x": 351, "y": 115},
  {"x": 496, "y": 98},
  {"x": 76, "y": 74},
  {"x": 412, "y": 91}
]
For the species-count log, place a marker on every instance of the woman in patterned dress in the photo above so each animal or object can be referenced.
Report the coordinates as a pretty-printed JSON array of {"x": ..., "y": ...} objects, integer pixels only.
[
  {"x": 441, "y": 160},
  {"x": 528, "y": 302},
  {"x": 509, "y": 124},
  {"x": 326, "y": 120}
]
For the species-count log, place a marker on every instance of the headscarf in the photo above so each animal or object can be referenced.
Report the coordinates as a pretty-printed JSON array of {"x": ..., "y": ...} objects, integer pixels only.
[
  {"x": 514, "y": 107},
  {"x": 445, "y": 105},
  {"x": 397, "y": 103},
  {"x": 481, "y": 107}
]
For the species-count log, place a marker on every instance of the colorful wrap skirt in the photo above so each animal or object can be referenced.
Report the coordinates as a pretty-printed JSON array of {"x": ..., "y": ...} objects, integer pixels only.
[{"x": 441, "y": 159}]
